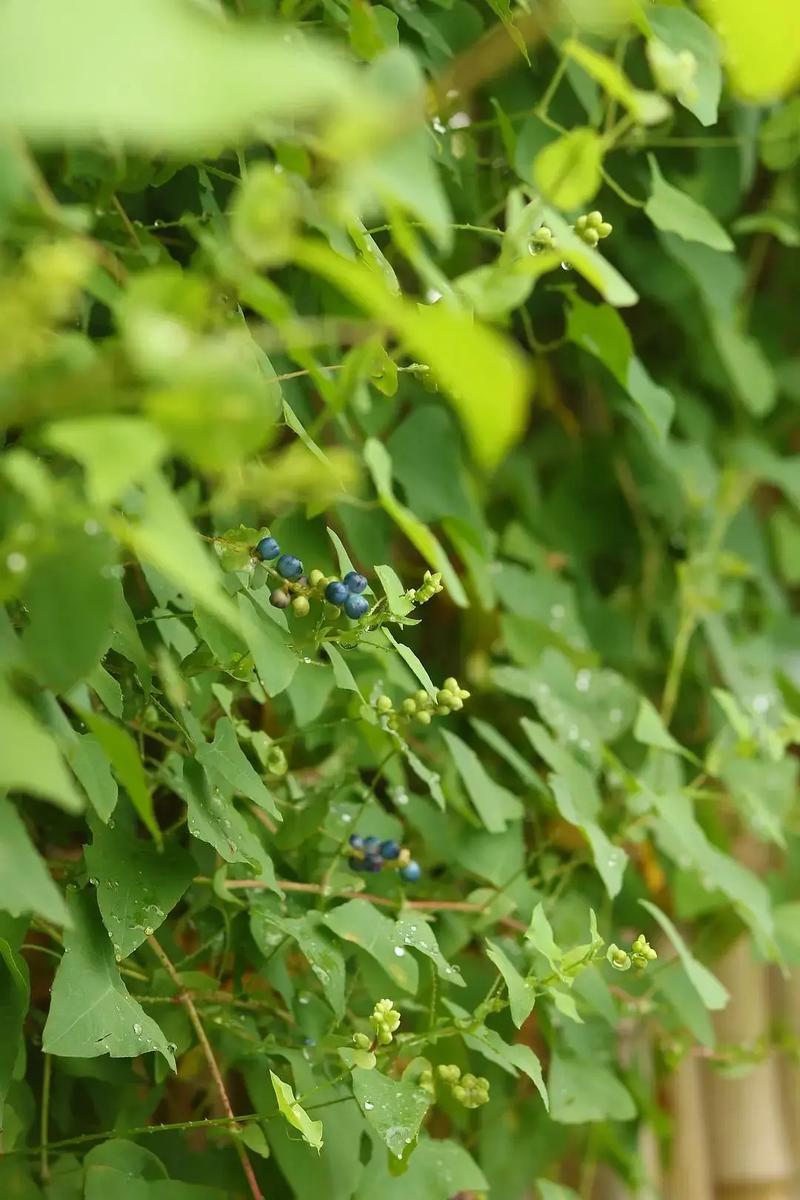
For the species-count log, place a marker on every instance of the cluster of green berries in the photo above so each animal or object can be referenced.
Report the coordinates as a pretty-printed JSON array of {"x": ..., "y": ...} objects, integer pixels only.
[
  {"x": 431, "y": 585},
  {"x": 371, "y": 854},
  {"x": 470, "y": 1090},
  {"x": 385, "y": 1020},
  {"x": 590, "y": 228},
  {"x": 421, "y": 707},
  {"x": 297, "y": 587},
  {"x": 641, "y": 954}
]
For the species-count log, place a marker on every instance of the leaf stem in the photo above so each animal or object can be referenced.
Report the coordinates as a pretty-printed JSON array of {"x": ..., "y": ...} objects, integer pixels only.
[{"x": 44, "y": 1122}]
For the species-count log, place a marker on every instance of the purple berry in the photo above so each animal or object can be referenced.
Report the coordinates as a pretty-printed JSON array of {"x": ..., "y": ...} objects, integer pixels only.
[
  {"x": 280, "y": 599},
  {"x": 336, "y": 592},
  {"x": 268, "y": 548},
  {"x": 355, "y": 583},
  {"x": 411, "y": 872},
  {"x": 356, "y": 606}
]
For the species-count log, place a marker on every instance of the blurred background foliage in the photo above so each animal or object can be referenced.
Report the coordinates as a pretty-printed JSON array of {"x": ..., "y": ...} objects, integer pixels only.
[{"x": 495, "y": 303}]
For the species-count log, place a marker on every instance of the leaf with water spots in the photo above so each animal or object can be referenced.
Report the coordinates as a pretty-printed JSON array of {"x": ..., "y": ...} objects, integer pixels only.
[
  {"x": 394, "y": 1109},
  {"x": 414, "y": 931},
  {"x": 91, "y": 1010},
  {"x": 359, "y": 922},
  {"x": 295, "y": 1114}
]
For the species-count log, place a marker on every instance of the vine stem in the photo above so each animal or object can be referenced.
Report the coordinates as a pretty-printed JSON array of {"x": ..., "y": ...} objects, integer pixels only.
[
  {"x": 44, "y": 1124},
  {"x": 318, "y": 889},
  {"x": 213, "y": 1066}
]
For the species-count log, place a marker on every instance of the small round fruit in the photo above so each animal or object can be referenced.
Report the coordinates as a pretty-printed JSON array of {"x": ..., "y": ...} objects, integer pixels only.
[
  {"x": 280, "y": 599},
  {"x": 411, "y": 872},
  {"x": 355, "y": 582},
  {"x": 316, "y": 577},
  {"x": 451, "y": 684},
  {"x": 301, "y": 606},
  {"x": 289, "y": 566},
  {"x": 373, "y": 864},
  {"x": 390, "y": 850},
  {"x": 356, "y": 606},
  {"x": 371, "y": 845},
  {"x": 356, "y": 841},
  {"x": 336, "y": 592},
  {"x": 423, "y": 717},
  {"x": 422, "y": 697},
  {"x": 268, "y": 548},
  {"x": 384, "y": 704},
  {"x": 409, "y": 706},
  {"x": 356, "y": 864}
]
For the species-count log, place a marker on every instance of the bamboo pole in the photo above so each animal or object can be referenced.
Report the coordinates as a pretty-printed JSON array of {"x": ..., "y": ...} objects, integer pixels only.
[
  {"x": 750, "y": 1151},
  {"x": 689, "y": 1176}
]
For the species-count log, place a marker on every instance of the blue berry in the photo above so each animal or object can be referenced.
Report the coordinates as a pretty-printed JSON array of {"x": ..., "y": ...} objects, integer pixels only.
[
  {"x": 373, "y": 863},
  {"x": 390, "y": 850},
  {"x": 268, "y": 548},
  {"x": 336, "y": 592},
  {"x": 411, "y": 872},
  {"x": 356, "y": 864},
  {"x": 289, "y": 566},
  {"x": 356, "y": 841},
  {"x": 371, "y": 845},
  {"x": 356, "y": 606},
  {"x": 355, "y": 583}
]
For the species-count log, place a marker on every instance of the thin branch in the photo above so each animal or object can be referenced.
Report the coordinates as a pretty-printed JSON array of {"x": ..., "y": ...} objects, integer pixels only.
[
  {"x": 191, "y": 1011},
  {"x": 317, "y": 889}
]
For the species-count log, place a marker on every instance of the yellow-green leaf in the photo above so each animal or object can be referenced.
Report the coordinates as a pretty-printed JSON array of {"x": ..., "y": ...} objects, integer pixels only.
[
  {"x": 295, "y": 1114},
  {"x": 486, "y": 377},
  {"x": 762, "y": 44},
  {"x": 567, "y": 170}
]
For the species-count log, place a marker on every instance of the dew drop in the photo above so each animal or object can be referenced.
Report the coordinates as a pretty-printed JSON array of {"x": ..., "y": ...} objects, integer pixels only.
[
  {"x": 399, "y": 951},
  {"x": 137, "y": 1029},
  {"x": 16, "y": 562},
  {"x": 368, "y": 1105},
  {"x": 583, "y": 680}
]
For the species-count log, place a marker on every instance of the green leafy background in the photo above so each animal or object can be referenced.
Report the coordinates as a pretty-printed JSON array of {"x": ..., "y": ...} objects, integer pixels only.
[{"x": 316, "y": 269}]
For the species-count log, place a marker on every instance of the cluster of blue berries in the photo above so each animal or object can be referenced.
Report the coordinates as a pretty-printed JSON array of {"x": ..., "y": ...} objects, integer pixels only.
[
  {"x": 297, "y": 587},
  {"x": 371, "y": 854},
  {"x": 346, "y": 593}
]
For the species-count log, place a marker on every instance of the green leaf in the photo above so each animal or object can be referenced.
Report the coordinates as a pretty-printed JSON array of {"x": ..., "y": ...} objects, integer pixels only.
[
  {"x": 297, "y": 1116},
  {"x": 568, "y": 170},
  {"x": 137, "y": 885},
  {"x": 469, "y": 360},
  {"x": 762, "y": 52},
  {"x": 29, "y": 758},
  {"x": 25, "y": 884},
  {"x": 227, "y": 764},
  {"x": 650, "y": 730},
  {"x": 437, "y": 1170},
  {"x": 647, "y": 108},
  {"x": 14, "y": 998},
  {"x": 91, "y": 766},
  {"x": 213, "y": 818},
  {"x": 71, "y": 589},
  {"x": 394, "y": 591},
  {"x": 323, "y": 955},
  {"x": 708, "y": 987},
  {"x": 91, "y": 1012},
  {"x": 512, "y": 1058},
  {"x": 554, "y": 1191},
  {"x": 270, "y": 645},
  {"x": 681, "y": 29},
  {"x": 123, "y": 754},
  {"x": 601, "y": 331},
  {"x": 582, "y": 1090},
  {"x": 341, "y": 672},
  {"x": 675, "y": 212},
  {"x": 77, "y": 76},
  {"x": 494, "y": 804},
  {"x": 594, "y": 267},
  {"x": 417, "y": 933},
  {"x": 360, "y": 923},
  {"x": 540, "y": 934},
  {"x": 521, "y": 992},
  {"x": 115, "y": 451},
  {"x": 394, "y": 1109},
  {"x": 379, "y": 464},
  {"x": 412, "y": 662}
]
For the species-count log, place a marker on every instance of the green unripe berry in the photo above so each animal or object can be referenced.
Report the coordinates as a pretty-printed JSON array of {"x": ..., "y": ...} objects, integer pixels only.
[
  {"x": 449, "y": 1072},
  {"x": 581, "y": 222},
  {"x": 384, "y": 704},
  {"x": 451, "y": 684},
  {"x": 276, "y": 761},
  {"x": 409, "y": 706},
  {"x": 591, "y": 237},
  {"x": 316, "y": 577},
  {"x": 423, "y": 717},
  {"x": 456, "y": 703},
  {"x": 422, "y": 697},
  {"x": 594, "y": 218},
  {"x": 459, "y": 1093},
  {"x": 361, "y": 1041},
  {"x": 618, "y": 958},
  {"x": 444, "y": 697},
  {"x": 605, "y": 229},
  {"x": 301, "y": 606}
]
